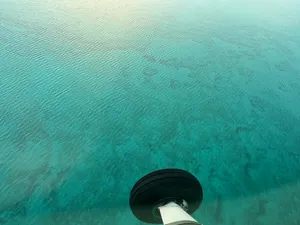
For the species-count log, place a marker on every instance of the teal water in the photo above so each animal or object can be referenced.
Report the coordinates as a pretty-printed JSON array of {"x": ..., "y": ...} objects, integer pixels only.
[{"x": 95, "y": 94}]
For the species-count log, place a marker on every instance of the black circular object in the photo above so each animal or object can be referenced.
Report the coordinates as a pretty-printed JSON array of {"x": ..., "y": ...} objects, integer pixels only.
[{"x": 161, "y": 187}]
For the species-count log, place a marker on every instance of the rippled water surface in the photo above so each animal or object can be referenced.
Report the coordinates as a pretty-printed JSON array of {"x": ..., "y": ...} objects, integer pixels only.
[{"x": 95, "y": 94}]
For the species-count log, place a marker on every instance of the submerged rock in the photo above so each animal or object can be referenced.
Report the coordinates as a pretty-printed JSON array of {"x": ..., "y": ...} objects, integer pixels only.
[{"x": 150, "y": 71}]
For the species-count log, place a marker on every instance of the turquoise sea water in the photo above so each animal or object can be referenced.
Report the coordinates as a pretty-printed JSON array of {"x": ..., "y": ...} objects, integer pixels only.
[{"x": 95, "y": 94}]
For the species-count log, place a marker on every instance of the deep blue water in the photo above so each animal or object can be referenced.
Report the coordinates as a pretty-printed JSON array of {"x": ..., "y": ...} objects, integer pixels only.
[{"x": 95, "y": 94}]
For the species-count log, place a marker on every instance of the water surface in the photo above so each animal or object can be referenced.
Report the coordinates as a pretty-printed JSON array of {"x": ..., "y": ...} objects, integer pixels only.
[{"x": 95, "y": 94}]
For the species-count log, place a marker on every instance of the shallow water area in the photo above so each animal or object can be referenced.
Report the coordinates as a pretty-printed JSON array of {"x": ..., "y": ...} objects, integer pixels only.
[{"x": 96, "y": 94}]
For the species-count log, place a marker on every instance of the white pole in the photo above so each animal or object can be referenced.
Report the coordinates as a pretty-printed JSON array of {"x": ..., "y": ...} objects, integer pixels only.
[{"x": 173, "y": 214}]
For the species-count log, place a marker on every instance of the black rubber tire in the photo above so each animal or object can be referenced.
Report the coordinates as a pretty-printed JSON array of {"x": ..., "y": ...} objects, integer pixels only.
[{"x": 163, "y": 186}]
